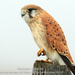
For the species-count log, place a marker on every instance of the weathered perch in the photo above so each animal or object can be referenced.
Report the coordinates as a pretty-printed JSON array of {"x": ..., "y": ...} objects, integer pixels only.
[{"x": 43, "y": 68}]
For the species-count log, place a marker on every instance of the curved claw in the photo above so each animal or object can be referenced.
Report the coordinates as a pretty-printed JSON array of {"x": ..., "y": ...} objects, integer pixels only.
[
  {"x": 44, "y": 61},
  {"x": 41, "y": 51}
]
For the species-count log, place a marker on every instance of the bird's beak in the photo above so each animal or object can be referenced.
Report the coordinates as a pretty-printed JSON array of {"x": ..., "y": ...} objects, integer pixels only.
[{"x": 23, "y": 13}]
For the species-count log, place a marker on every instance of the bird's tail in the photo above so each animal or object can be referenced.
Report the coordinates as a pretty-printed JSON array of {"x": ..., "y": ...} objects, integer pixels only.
[
  {"x": 73, "y": 66},
  {"x": 68, "y": 63}
]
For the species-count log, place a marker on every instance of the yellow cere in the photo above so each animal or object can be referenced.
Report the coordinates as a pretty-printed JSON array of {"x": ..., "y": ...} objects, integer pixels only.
[{"x": 23, "y": 11}]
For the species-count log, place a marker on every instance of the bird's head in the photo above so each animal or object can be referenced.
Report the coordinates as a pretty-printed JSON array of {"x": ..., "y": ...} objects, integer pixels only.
[{"x": 30, "y": 12}]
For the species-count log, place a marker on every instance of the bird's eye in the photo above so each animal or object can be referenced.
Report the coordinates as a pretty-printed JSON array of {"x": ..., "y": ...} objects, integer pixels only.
[{"x": 29, "y": 10}]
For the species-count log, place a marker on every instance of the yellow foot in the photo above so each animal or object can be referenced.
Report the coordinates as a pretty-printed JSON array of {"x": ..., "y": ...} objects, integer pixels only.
[
  {"x": 44, "y": 61},
  {"x": 41, "y": 51}
]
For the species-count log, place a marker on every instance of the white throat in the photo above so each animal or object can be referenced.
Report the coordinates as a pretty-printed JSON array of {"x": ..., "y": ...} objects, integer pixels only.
[{"x": 27, "y": 17}]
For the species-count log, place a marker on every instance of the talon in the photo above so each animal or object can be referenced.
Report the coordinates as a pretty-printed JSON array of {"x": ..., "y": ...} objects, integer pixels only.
[
  {"x": 44, "y": 61},
  {"x": 48, "y": 61},
  {"x": 41, "y": 51}
]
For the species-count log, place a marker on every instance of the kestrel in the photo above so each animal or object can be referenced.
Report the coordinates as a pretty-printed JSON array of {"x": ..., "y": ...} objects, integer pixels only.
[{"x": 48, "y": 35}]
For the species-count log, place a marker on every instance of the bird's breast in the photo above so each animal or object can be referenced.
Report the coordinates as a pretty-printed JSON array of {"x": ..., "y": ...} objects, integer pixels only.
[{"x": 39, "y": 36}]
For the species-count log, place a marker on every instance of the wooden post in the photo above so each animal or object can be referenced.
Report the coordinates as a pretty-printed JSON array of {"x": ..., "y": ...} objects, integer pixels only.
[{"x": 43, "y": 68}]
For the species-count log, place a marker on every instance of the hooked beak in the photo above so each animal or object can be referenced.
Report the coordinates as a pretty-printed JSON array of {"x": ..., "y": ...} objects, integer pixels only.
[{"x": 22, "y": 14}]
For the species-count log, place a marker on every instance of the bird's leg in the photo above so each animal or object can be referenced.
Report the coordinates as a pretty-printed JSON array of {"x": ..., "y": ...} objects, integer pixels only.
[
  {"x": 41, "y": 51},
  {"x": 44, "y": 53}
]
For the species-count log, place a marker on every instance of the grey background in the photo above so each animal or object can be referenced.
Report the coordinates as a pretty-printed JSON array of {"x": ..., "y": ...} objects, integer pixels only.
[{"x": 17, "y": 47}]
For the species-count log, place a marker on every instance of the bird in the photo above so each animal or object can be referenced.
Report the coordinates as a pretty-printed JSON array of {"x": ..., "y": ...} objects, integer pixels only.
[{"x": 48, "y": 35}]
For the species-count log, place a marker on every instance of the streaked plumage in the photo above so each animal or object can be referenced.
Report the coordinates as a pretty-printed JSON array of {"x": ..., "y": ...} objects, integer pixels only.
[{"x": 48, "y": 35}]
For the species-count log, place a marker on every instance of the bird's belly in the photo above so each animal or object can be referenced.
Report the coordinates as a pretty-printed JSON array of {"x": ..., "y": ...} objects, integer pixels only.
[
  {"x": 40, "y": 41},
  {"x": 55, "y": 57}
]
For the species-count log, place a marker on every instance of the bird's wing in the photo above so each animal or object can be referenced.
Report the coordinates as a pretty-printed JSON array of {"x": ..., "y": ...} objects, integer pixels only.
[{"x": 55, "y": 36}]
